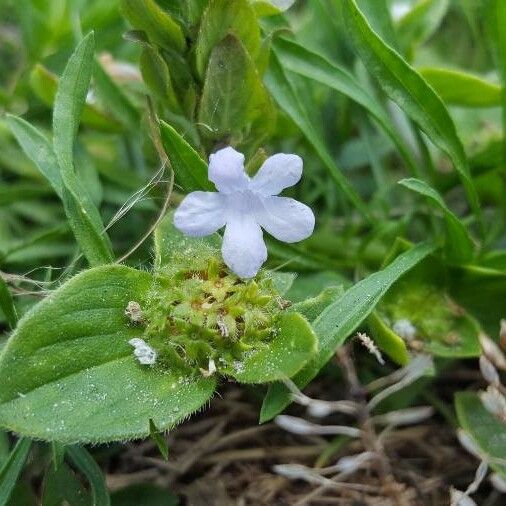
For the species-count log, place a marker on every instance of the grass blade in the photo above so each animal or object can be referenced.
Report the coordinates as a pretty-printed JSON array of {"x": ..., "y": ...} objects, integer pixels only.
[
  {"x": 87, "y": 465},
  {"x": 459, "y": 246},
  {"x": 12, "y": 468},
  {"x": 285, "y": 95},
  {"x": 410, "y": 91}
]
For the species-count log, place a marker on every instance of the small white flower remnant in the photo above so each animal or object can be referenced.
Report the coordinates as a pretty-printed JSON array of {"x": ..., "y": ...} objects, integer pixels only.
[
  {"x": 282, "y": 5},
  {"x": 143, "y": 352},
  {"x": 246, "y": 206},
  {"x": 405, "y": 329}
]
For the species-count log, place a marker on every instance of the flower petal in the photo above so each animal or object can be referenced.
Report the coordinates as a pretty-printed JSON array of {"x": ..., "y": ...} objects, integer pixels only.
[
  {"x": 243, "y": 247},
  {"x": 286, "y": 219},
  {"x": 277, "y": 173},
  {"x": 226, "y": 170},
  {"x": 200, "y": 214}
]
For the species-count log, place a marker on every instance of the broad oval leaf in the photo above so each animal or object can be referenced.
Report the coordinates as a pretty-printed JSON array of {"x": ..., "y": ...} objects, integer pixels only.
[
  {"x": 226, "y": 109},
  {"x": 68, "y": 373},
  {"x": 223, "y": 17}
]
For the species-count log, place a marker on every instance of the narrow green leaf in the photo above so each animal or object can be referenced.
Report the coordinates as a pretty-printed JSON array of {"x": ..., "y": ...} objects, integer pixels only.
[
  {"x": 7, "y": 304},
  {"x": 285, "y": 95},
  {"x": 307, "y": 63},
  {"x": 159, "y": 440},
  {"x": 339, "y": 319},
  {"x": 44, "y": 84},
  {"x": 62, "y": 486},
  {"x": 410, "y": 91},
  {"x": 226, "y": 110},
  {"x": 495, "y": 21},
  {"x": 377, "y": 12},
  {"x": 460, "y": 88},
  {"x": 114, "y": 99},
  {"x": 423, "y": 19},
  {"x": 487, "y": 431},
  {"x": 190, "y": 170},
  {"x": 38, "y": 149},
  {"x": 68, "y": 373},
  {"x": 12, "y": 468},
  {"x": 223, "y": 17},
  {"x": 458, "y": 245},
  {"x": 148, "y": 16},
  {"x": 83, "y": 216},
  {"x": 286, "y": 354},
  {"x": 87, "y": 465},
  {"x": 70, "y": 100}
]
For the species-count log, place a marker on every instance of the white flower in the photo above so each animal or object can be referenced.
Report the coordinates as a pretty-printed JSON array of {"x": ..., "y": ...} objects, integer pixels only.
[
  {"x": 246, "y": 205},
  {"x": 143, "y": 352}
]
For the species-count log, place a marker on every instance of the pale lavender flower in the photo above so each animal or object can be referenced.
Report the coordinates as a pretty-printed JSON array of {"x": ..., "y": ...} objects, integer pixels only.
[{"x": 246, "y": 205}]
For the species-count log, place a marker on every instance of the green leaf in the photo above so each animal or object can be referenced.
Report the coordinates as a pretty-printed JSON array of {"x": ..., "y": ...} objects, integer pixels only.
[
  {"x": 487, "y": 431},
  {"x": 387, "y": 340},
  {"x": 460, "y": 88},
  {"x": 442, "y": 327},
  {"x": 83, "y": 216},
  {"x": 148, "y": 16},
  {"x": 70, "y": 100},
  {"x": 423, "y": 19},
  {"x": 114, "y": 99},
  {"x": 44, "y": 84},
  {"x": 157, "y": 437},
  {"x": 458, "y": 245},
  {"x": 169, "y": 239},
  {"x": 156, "y": 75},
  {"x": 68, "y": 373},
  {"x": 310, "y": 308},
  {"x": 307, "y": 63},
  {"x": 377, "y": 13},
  {"x": 339, "y": 319},
  {"x": 143, "y": 495},
  {"x": 285, "y": 95},
  {"x": 11, "y": 470},
  {"x": 221, "y": 18},
  {"x": 226, "y": 110},
  {"x": 495, "y": 20},
  {"x": 7, "y": 304},
  {"x": 38, "y": 149},
  {"x": 61, "y": 486},
  {"x": 87, "y": 465},
  {"x": 410, "y": 91},
  {"x": 282, "y": 357},
  {"x": 190, "y": 170}
]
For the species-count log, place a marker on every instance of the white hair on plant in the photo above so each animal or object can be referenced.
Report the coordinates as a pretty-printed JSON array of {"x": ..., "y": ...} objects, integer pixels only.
[
  {"x": 143, "y": 352},
  {"x": 245, "y": 206}
]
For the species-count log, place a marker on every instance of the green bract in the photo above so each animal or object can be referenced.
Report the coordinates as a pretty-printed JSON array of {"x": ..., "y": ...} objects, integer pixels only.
[{"x": 69, "y": 373}]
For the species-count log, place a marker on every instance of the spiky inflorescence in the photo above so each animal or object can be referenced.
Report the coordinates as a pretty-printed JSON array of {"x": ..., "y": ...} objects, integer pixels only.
[{"x": 198, "y": 310}]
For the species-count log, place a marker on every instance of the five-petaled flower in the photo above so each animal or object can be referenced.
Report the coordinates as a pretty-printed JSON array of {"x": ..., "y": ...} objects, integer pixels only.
[{"x": 246, "y": 205}]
